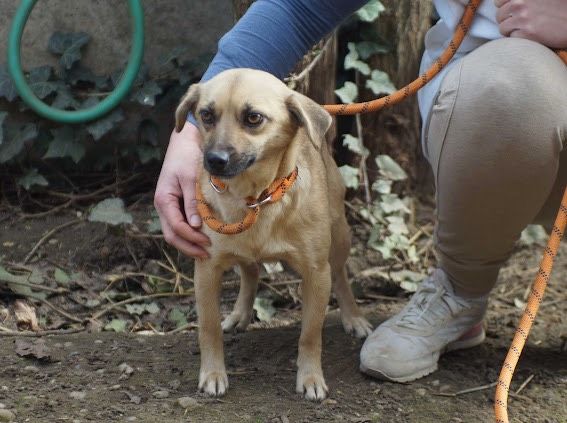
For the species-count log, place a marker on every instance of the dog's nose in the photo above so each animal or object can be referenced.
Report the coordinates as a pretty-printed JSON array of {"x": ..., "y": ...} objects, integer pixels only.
[{"x": 217, "y": 159}]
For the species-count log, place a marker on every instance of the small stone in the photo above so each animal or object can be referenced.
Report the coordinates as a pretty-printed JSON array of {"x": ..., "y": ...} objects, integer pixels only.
[
  {"x": 115, "y": 387},
  {"x": 187, "y": 402},
  {"x": 31, "y": 369},
  {"x": 68, "y": 344},
  {"x": 131, "y": 419},
  {"x": 435, "y": 382},
  {"x": 329, "y": 401},
  {"x": 2, "y": 405},
  {"x": 83, "y": 411},
  {"x": 160, "y": 394},
  {"x": 78, "y": 395},
  {"x": 421, "y": 391},
  {"x": 6, "y": 416},
  {"x": 126, "y": 369},
  {"x": 98, "y": 341},
  {"x": 284, "y": 419}
]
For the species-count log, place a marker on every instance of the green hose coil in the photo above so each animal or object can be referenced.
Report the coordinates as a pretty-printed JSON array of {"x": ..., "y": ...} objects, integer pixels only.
[{"x": 75, "y": 116}]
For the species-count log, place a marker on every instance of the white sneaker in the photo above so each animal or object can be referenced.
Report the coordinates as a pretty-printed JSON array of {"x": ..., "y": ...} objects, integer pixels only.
[{"x": 408, "y": 345}]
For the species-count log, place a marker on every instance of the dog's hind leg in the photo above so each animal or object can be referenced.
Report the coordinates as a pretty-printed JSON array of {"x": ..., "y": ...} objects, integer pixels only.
[
  {"x": 212, "y": 376},
  {"x": 353, "y": 321},
  {"x": 241, "y": 314}
]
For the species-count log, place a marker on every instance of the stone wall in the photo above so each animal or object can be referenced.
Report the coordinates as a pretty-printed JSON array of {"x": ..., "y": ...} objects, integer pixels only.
[{"x": 169, "y": 23}]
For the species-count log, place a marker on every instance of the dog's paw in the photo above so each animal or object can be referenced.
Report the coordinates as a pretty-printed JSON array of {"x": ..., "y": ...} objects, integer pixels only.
[
  {"x": 213, "y": 383},
  {"x": 312, "y": 386},
  {"x": 357, "y": 326},
  {"x": 236, "y": 322}
]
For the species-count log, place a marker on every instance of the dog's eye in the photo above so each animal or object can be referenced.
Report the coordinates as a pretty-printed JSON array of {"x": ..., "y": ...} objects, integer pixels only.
[
  {"x": 207, "y": 117},
  {"x": 253, "y": 119}
]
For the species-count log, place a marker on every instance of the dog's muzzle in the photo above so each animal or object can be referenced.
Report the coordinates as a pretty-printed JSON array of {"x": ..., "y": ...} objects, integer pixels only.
[{"x": 226, "y": 162}]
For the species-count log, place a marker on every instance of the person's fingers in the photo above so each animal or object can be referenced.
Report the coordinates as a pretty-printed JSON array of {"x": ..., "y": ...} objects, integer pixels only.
[
  {"x": 169, "y": 210},
  {"x": 509, "y": 26},
  {"x": 506, "y": 11},
  {"x": 187, "y": 248},
  {"x": 500, "y": 3},
  {"x": 190, "y": 204}
]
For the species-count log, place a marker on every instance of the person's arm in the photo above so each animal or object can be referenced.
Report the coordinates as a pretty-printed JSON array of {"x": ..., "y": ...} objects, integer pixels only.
[{"x": 272, "y": 36}]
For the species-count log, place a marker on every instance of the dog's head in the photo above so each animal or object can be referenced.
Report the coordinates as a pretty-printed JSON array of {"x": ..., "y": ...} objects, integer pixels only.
[{"x": 246, "y": 115}]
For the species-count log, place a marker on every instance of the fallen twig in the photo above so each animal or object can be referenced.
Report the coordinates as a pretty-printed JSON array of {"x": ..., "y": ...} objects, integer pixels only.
[
  {"x": 48, "y": 235},
  {"x": 61, "y": 312},
  {"x": 523, "y": 385},
  {"x": 141, "y": 298}
]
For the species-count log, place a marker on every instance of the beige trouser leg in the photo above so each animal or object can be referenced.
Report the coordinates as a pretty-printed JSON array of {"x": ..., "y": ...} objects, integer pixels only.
[{"x": 495, "y": 139}]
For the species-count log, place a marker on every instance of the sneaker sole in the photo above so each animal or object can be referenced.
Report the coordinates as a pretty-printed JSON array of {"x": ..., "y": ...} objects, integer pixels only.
[{"x": 462, "y": 343}]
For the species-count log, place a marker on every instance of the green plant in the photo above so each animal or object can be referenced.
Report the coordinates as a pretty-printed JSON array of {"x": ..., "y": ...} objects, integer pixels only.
[
  {"x": 385, "y": 209},
  {"x": 31, "y": 144}
]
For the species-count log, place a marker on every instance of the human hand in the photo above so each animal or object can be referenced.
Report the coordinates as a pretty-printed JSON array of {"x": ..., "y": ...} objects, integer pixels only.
[
  {"x": 176, "y": 187},
  {"x": 543, "y": 21}
]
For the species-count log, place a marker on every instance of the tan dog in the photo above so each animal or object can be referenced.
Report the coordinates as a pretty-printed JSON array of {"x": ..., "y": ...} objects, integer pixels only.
[{"x": 254, "y": 131}]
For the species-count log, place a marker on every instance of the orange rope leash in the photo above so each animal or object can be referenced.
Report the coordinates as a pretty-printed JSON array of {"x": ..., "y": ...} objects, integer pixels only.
[
  {"x": 414, "y": 86},
  {"x": 272, "y": 194},
  {"x": 528, "y": 317}
]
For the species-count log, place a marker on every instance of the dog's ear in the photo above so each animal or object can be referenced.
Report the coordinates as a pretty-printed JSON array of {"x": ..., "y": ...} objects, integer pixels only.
[
  {"x": 309, "y": 115},
  {"x": 186, "y": 105}
]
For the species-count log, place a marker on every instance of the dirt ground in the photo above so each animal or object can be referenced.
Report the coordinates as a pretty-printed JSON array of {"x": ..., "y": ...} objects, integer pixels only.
[{"x": 140, "y": 376}]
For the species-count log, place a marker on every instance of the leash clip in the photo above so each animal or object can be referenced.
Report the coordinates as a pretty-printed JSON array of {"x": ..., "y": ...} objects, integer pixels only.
[
  {"x": 217, "y": 189},
  {"x": 260, "y": 203}
]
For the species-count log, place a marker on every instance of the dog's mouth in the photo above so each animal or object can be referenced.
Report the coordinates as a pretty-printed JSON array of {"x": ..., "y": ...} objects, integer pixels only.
[{"x": 233, "y": 166}]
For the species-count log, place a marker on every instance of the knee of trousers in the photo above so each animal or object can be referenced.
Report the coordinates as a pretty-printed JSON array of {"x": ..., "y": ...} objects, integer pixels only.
[{"x": 506, "y": 101}]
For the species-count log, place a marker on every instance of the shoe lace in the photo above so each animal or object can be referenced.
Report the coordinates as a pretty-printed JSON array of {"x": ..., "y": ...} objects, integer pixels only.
[{"x": 431, "y": 303}]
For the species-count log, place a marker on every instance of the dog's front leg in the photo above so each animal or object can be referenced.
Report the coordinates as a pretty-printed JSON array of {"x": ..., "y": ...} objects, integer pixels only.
[
  {"x": 316, "y": 290},
  {"x": 212, "y": 376}
]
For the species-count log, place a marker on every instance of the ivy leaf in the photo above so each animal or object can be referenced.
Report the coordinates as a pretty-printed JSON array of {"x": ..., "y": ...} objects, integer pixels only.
[
  {"x": 146, "y": 95},
  {"x": 111, "y": 211},
  {"x": 380, "y": 83},
  {"x": 172, "y": 56},
  {"x": 68, "y": 45},
  {"x": 78, "y": 74},
  {"x": 2, "y": 118},
  {"x": 382, "y": 186},
  {"x": 61, "y": 277},
  {"x": 65, "y": 144},
  {"x": 350, "y": 176},
  {"x": 147, "y": 153},
  {"x": 139, "y": 309},
  {"x": 32, "y": 178},
  {"x": 391, "y": 203},
  {"x": 19, "y": 288},
  {"x": 104, "y": 125},
  {"x": 533, "y": 234},
  {"x": 64, "y": 99},
  {"x": 7, "y": 87},
  {"x": 117, "y": 325},
  {"x": 265, "y": 309},
  {"x": 367, "y": 49},
  {"x": 15, "y": 142},
  {"x": 370, "y": 11},
  {"x": 352, "y": 61},
  {"x": 355, "y": 145},
  {"x": 178, "y": 317},
  {"x": 390, "y": 169},
  {"x": 348, "y": 92},
  {"x": 397, "y": 225}
]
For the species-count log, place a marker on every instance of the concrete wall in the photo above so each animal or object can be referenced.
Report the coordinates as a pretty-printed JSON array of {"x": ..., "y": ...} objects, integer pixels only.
[{"x": 169, "y": 23}]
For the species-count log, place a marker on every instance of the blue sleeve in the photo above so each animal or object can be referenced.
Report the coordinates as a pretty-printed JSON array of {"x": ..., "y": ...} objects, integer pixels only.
[{"x": 274, "y": 34}]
